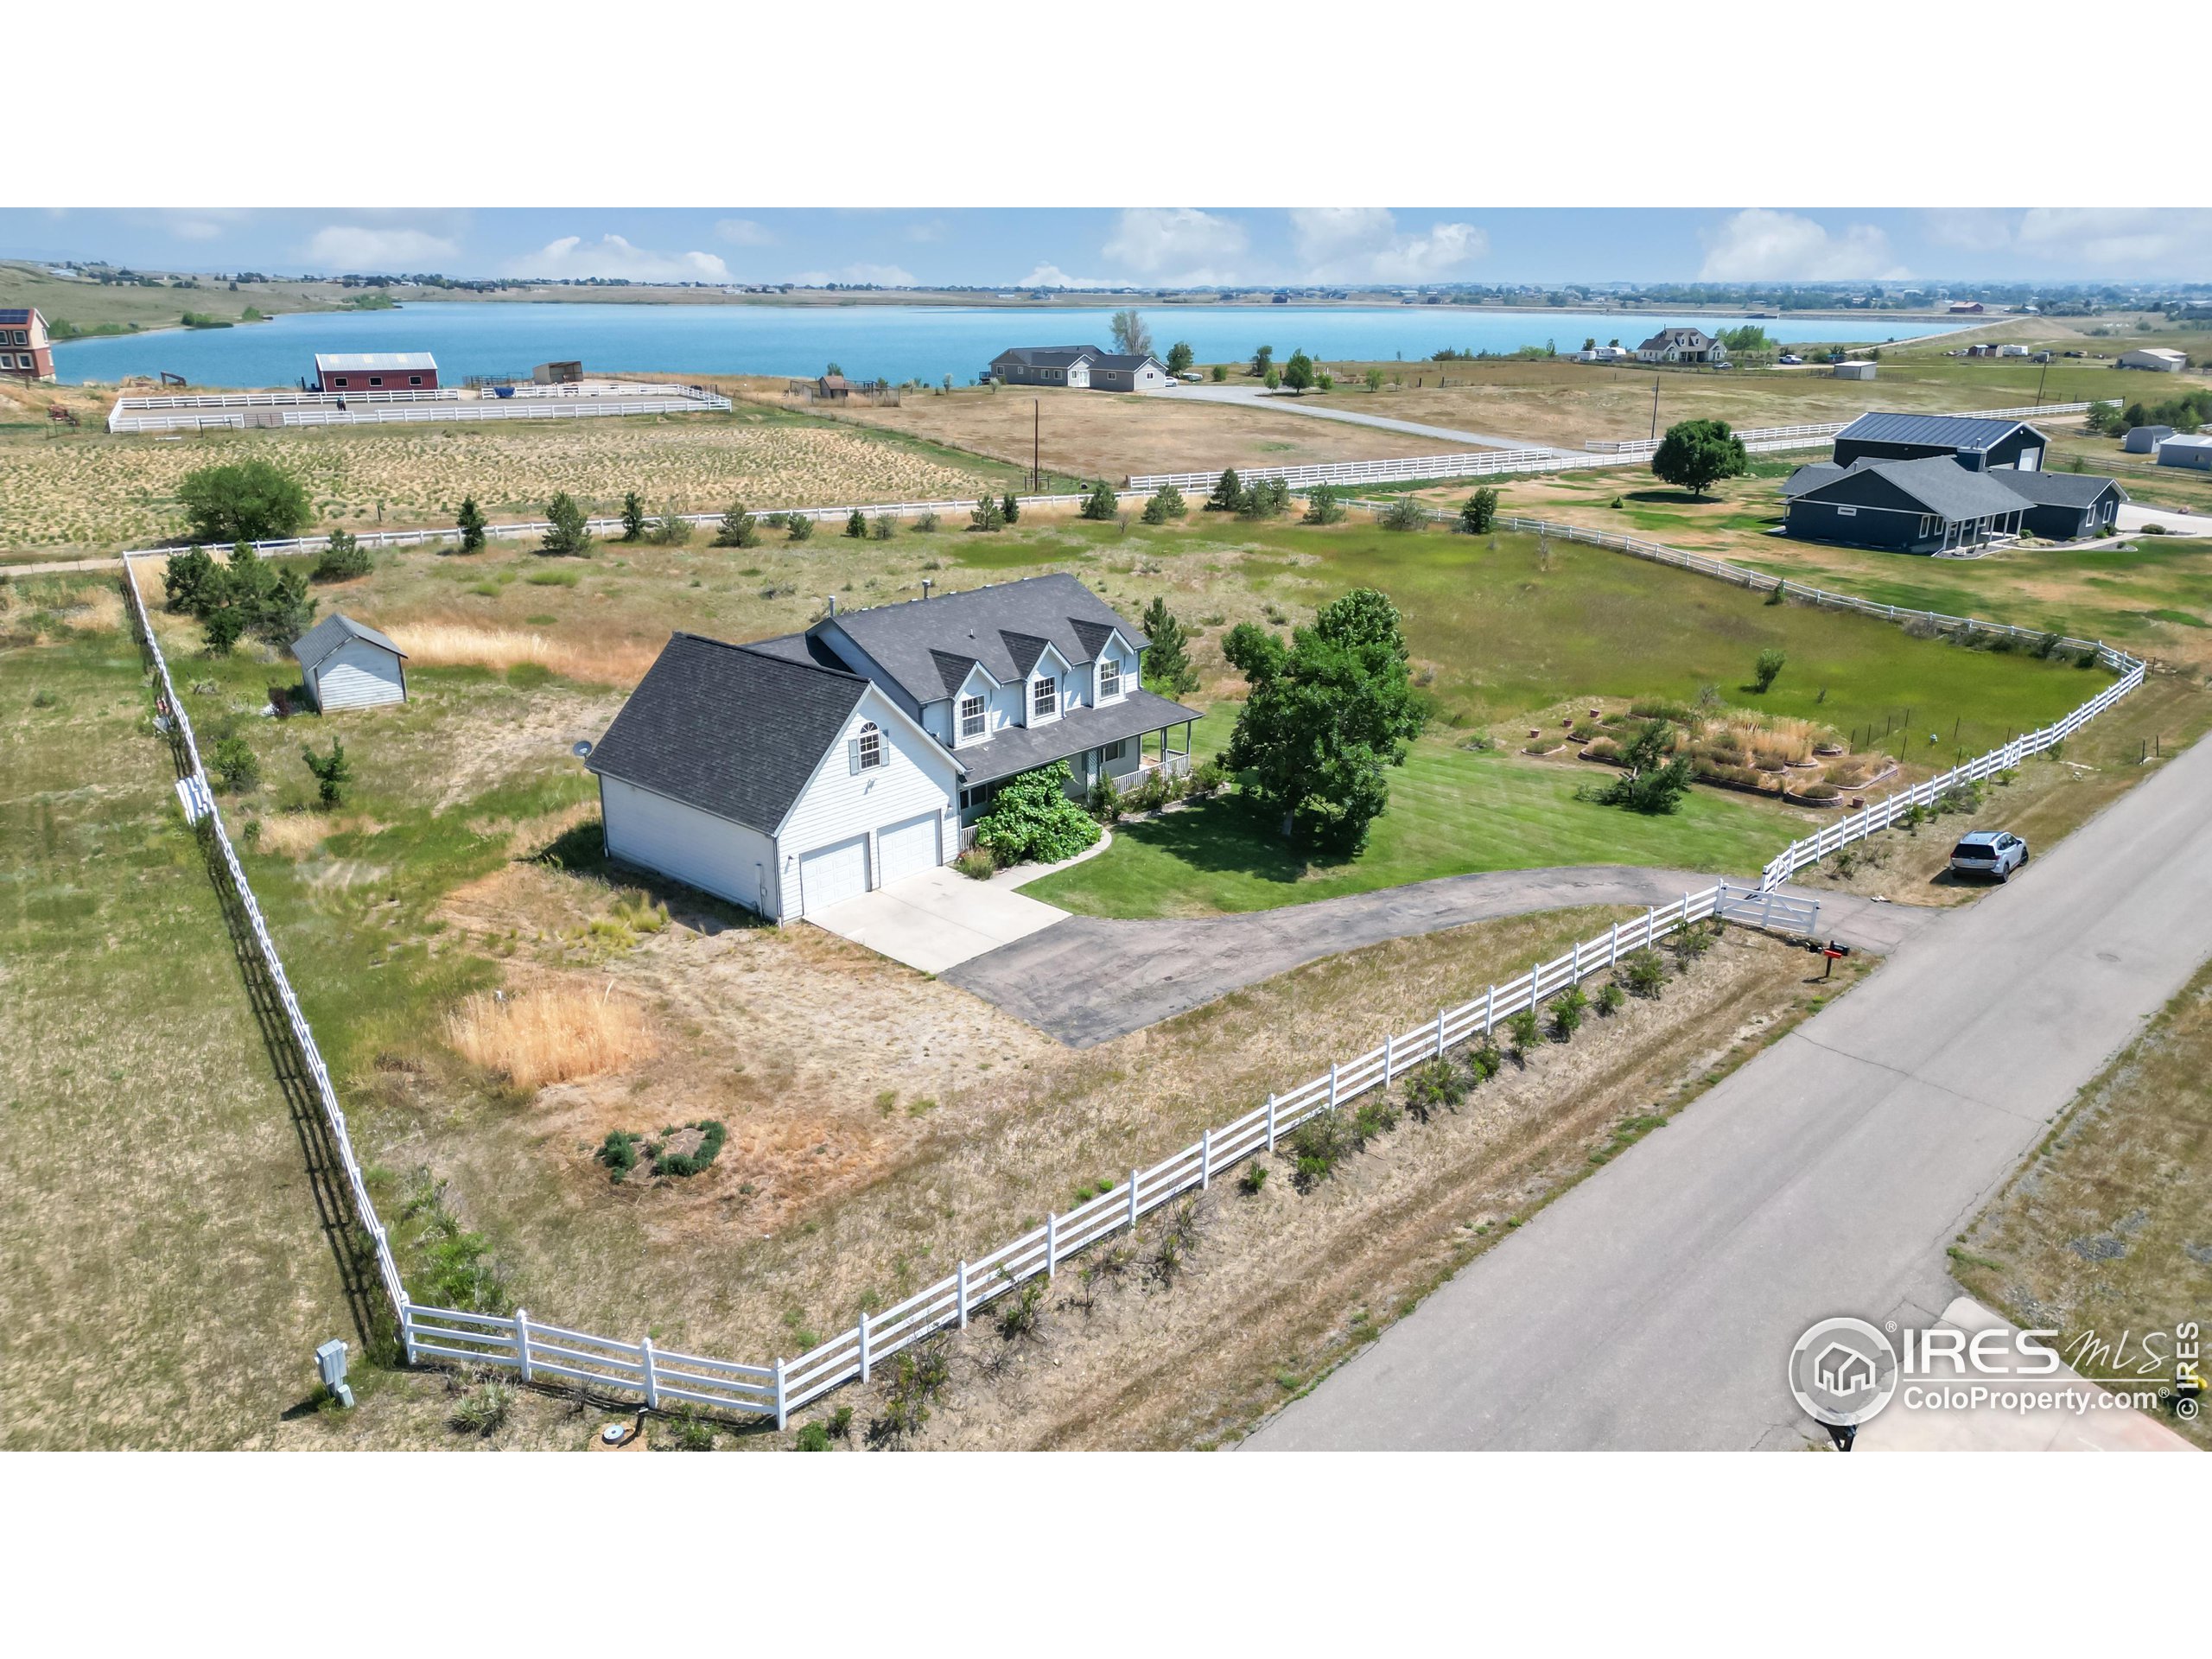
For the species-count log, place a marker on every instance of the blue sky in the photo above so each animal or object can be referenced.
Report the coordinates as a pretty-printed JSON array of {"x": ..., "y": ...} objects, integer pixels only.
[{"x": 1144, "y": 246}]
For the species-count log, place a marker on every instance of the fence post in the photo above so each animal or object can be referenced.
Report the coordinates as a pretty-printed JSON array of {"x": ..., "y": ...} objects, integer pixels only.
[
  {"x": 1051, "y": 1244},
  {"x": 962, "y": 1281},
  {"x": 1439, "y": 1034},
  {"x": 648, "y": 1376},
  {"x": 782, "y": 1398},
  {"x": 1390, "y": 1058},
  {"x": 1205, "y": 1157},
  {"x": 407, "y": 1330},
  {"x": 1613, "y": 945},
  {"x": 522, "y": 1343},
  {"x": 1271, "y": 1123},
  {"x": 1133, "y": 1200},
  {"x": 1574, "y": 964},
  {"x": 1333, "y": 1085},
  {"x": 864, "y": 1353},
  {"x": 1489, "y": 1001}
]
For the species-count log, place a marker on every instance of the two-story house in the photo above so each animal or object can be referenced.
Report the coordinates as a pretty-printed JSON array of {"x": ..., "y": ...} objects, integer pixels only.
[{"x": 793, "y": 773}]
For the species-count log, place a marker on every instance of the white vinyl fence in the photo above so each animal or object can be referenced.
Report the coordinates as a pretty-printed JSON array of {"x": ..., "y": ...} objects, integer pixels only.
[
  {"x": 1758, "y": 438},
  {"x": 535, "y": 1350},
  {"x": 439, "y": 412}
]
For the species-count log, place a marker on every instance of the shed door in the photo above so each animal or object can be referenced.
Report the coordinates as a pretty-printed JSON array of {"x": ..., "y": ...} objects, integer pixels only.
[
  {"x": 907, "y": 848},
  {"x": 832, "y": 875},
  {"x": 2031, "y": 461}
]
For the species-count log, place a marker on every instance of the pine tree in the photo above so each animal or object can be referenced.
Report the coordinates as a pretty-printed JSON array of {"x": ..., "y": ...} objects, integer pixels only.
[
  {"x": 1168, "y": 658},
  {"x": 1228, "y": 494},
  {"x": 856, "y": 526},
  {"x": 633, "y": 516},
  {"x": 470, "y": 519},
  {"x": 737, "y": 528}
]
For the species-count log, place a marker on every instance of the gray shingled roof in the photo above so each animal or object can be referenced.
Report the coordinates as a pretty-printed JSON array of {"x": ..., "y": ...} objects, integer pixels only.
[
  {"x": 1018, "y": 748},
  {"x": 1938, "y": 484},
  {"x": 333, "y": 631},
  {"x": 2056, "y": 489},
  {"x": 1046, "y": 357},
  {"x": 1005, "y": 628},
  {"x": 1972, "y": 433},
  {"x": 730, "y": 729},
  {"x": 1122, "y": 359},
  {"x": 1811, "y": 477}
]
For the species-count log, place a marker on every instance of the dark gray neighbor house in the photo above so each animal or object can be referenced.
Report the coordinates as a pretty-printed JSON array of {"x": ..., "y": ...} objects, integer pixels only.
[
  {"x": 1931, "y": 505},
  {"x": 1084, "y": 367},
  {"x": 2065, "y": 507},
  {"x": 1979, "y": 443}
]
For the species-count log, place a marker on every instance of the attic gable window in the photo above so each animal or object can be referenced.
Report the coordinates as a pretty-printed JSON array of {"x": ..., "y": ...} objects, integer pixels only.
[
  {"x": 971, "y": 717},
  {"x": 1109, "y": 677},
  {"x": 869, "y": 751},
  {"x": 1045, "y": 699}
]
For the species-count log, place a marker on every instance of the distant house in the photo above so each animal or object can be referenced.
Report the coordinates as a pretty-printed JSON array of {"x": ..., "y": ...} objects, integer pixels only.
[
  {"x": 1120, "y": 372},
  {"x": 833, "y": 388},
  {"x": 792, "y": 774},
  {"x": 2065, "y": 507},
  {"x": 1044, "y": 365},
  {"x": 558, "y": 374},
  {"x": 2186, "y": 449},
  {"x": 2145, "y": 439},
  {"x": 1604, "y": 354},
  {"x": 2159, "y": 359},
  {"x": 1976, "y": 442},
  {"x": 348, "y": 664},
  {"x": 375, "y": 372},
  {"x": 26, "y": 349},
  {"x": 1861, "y": 371},
  {"x": 1965, "y": 307},
  {"x": 1681, "y": 345},
  {"x": 1928, "y": 505}
]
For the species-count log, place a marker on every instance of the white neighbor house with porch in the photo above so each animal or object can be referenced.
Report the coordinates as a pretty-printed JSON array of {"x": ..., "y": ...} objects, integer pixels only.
[{"x": 795, "y": 773}]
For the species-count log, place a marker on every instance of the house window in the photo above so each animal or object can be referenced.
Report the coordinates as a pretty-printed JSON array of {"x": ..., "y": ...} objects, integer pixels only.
[
  {"x": 1115, "y": 751},
  {"x": 1927, "y": 524},
  {"x": 414, "y": 379},
  {"x": 981, "y": 796},
  {"x": 1045, "y": 700},
  {"x": 1109, "y": 678},
  {"x": 871, "y": 747},
  {"x": 376, "y": 379},
  {"x": 971, "y": 717},
  {"x": 1847, "y": 512}
]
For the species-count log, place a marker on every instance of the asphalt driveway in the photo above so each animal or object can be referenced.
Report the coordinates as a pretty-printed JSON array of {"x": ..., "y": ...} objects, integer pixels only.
[{"x": 1049, "y": 977}]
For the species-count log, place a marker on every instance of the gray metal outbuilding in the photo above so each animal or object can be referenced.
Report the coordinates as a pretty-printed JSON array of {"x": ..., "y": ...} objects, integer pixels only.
[
  {"x": 2145, "y": 439},
  {"x": 348, "y": 664}
]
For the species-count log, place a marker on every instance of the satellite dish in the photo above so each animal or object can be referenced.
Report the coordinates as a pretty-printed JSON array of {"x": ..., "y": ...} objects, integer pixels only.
[{"x": 581, "y": 747}]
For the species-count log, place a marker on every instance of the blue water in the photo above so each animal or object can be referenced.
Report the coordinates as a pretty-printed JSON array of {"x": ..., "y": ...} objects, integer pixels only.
[{"x": 886, "y": 342}]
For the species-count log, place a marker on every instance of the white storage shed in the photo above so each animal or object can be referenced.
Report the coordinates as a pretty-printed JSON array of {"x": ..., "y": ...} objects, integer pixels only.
[{"x": 348, "y": 664}]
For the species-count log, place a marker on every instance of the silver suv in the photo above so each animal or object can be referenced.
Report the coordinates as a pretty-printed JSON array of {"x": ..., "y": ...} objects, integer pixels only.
[{"x": 1989, "y": 852}]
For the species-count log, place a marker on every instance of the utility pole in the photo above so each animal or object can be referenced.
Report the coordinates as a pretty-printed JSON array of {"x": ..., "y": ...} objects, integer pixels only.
[
  {"x": 2039, "y": 381},
  {"x": 1037, "y": 446},
  {"x": 1654, "y": 406}
]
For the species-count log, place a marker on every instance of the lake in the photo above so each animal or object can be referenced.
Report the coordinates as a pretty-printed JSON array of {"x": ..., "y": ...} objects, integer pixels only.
[{"x": 889, "y": 342}]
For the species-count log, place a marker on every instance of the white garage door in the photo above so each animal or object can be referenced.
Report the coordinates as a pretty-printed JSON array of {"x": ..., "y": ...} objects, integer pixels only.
[
  {"x": 833, "y": 875},
  {"x": 907, "y": 848}
]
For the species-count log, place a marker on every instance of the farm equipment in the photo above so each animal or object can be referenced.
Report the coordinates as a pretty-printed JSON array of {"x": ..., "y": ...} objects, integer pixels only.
[{"x": 62, "y": 415}]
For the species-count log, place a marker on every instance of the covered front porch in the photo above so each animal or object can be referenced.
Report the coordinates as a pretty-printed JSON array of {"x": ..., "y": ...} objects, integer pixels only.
[{"x": 1128, "y": 739}]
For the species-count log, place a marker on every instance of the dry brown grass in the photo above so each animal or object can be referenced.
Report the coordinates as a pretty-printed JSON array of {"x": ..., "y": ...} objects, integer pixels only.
[
  {"x": 449, "y": 642},
  {"x": 551, "y": 1033},
  {"x": 298, "y": 835}
]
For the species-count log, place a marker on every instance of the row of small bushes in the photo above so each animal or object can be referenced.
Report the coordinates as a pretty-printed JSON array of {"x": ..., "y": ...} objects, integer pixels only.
[
  {"x": 1109, "y": 801},
  {"x": 624, "y": 1150}
]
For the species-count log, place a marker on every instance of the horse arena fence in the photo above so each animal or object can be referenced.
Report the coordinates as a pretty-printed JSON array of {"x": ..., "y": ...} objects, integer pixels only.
[{"x": 536, "y": 1351}]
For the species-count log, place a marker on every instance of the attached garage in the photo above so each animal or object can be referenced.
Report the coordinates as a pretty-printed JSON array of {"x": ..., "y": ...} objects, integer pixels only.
[
  {"x": 908, "y": 848},
  {"x": 830, "y": 876}
]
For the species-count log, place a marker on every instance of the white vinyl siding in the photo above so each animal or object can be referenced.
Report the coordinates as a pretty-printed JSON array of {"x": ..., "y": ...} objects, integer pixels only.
[
  {"x": 357, "y": 676},
  {"x": 698, "y": 848},
  {"x": 842, "y": 801}
]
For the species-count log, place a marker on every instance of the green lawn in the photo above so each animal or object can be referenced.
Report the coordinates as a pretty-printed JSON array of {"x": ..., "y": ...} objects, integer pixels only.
[{"x": 1452, "y": 810}]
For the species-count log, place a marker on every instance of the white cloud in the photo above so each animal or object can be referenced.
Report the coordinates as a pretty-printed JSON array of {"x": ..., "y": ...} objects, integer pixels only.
[
  {"x": 615, "y": 257},
  {"x": 1760, "y": 245},
  {"x": 1352, "y": 245},
  {"x": 746, "y": 232},
  {"x": 2141, "y": 238},
  {"x": 1183, "y": 240},
  {"x": 930, "y": 230},
  {"x": 1982, "y": 229},
  {"x": 366, "y": 248},
  {"x": 881, "y": 276}
]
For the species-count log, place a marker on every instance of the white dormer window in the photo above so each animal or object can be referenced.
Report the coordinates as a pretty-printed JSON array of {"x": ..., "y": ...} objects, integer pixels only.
[
  {"x": 971, "y": 718},
  {"x": 1109, "y": 677},
  {"x": 871, "y": 747},
  {"x": 1045, "y": 699}
]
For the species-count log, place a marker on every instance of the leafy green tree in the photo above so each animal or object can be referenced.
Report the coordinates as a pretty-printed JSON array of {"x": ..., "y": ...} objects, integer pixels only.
[
  {"x": 1228, "y": 494},
  {"x": 1651, "y": 783},
  {"x": 1273, "y": 379},
  {"x": 633, "y": 516},
  {"x": 1180, "y": 357},
  {"x": 1266, "y": 500},
  {"x": 1033, "y": 820},
  {"x": 856, "y": 526},
  {"x": 1130, "y": 334},
  {"x": 193, "y": 583},
  {"x": 331, "y": 772},
  {"x": 221, "y": 629},
  {"x": 1297, "y": 373},
  {"x": 344, "y": 560},
  {"x": 1220, "y": 371},
  {"x": 470, "y": 519},
  {"x": 1325, "y": 505},
  {"x": 1375, "y": 377},
  {"x": 737, "y": 528},
  {"x": 258, "y": 597},
  {"x": 882, "y": 527},
  {"x": 1167, "y": 503},
  {"x": 1480, "y": 512},
  {"x": 1696, "y": 454},
  {"x": 1768, "y": 668},
  {"x": 1168, "y": 656},
  {"x": 1404, "y": 513},
  {"x": 1328, "y": 714},
  {"x": 987, "y": 515},
  {"x": 798, "y": 527},
  {"x": 1009, "y": 506},
  {"x": 237, "y": 766},
  {"x": 1260, "y": 360},
  {"x": 245, "y": 501},
  {"x": 566, "y": 534},
  {"x": 1100, "y": 503}
]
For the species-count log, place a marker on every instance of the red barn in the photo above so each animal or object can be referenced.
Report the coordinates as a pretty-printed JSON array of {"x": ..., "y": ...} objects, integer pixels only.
[
  {"x": 375, "y": 372},
  {"x": 26, "y": 353}
]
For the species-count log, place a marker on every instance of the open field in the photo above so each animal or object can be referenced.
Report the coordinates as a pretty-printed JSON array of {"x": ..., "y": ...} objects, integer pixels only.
[
  {"x": 2105, "y": 1230},
  {"x": 90, "y": 304},
  {"x": 1091, "y": 434},
  {"x": 61, "y": 490}
]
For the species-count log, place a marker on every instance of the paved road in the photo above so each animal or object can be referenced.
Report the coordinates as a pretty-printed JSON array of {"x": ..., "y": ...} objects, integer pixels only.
[
  {"x": 1253, "y": 397},
  {"x": 1654, "y": 1306},
  {"x": 1050, "y": 978}
]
